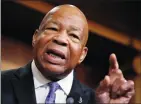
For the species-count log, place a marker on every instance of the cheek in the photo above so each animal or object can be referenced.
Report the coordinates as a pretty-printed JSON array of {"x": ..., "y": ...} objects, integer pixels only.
[
  {"x": 75, "y": 53},
  {"x": 42, "y": 42},
  {"x": 40, "y": 45}
]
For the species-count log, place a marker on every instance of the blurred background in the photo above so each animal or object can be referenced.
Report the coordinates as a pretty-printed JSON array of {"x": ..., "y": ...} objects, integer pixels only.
[{"x": 114, "y": 27}]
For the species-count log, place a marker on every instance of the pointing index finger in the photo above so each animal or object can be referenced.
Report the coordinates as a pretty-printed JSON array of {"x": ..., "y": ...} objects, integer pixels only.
[
  {"x": 113, "y": 62},
  {"x": 114, "y": 71}
]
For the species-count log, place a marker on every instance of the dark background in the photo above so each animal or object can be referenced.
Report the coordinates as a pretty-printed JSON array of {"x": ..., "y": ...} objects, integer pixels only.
[{"x": 20, "y": 22}]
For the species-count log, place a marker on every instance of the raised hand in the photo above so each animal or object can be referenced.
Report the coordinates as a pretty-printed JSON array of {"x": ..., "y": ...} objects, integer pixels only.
[{"x": 114, "y": 88}]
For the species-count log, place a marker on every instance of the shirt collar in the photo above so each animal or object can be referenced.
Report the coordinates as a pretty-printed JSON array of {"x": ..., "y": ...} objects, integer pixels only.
[
  {"x": 40, "y": 80},
  {"x": 66, "y": 83}
]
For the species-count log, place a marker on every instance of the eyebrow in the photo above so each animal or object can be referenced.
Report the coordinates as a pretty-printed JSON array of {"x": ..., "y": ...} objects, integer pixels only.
[
  {"x": 53, "y": 22},
  {"x": 75, "y": 28},
  {"x": 72, "y": 28}
]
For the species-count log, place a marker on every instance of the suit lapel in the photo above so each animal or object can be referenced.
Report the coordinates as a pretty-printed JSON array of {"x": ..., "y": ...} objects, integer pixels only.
[
  {"x": 77, "y": 89},
  {"x": 24, "y": 86}
]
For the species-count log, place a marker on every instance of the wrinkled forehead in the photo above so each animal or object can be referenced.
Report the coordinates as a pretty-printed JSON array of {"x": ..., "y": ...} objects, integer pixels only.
[
  {"x": 66, "y": 20},
  {"x": 66, "y": 13}
]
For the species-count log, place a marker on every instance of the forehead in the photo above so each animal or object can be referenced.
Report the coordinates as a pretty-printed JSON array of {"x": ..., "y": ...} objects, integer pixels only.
[{"x": 66, "y": 18}]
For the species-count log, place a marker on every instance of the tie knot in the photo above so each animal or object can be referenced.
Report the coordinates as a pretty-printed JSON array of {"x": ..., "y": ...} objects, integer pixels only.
[{"x": 53, "y": 86}]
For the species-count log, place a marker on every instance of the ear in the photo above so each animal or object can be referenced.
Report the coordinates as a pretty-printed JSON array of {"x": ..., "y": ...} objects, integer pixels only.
[
  {"x": 34, "y": 38},
  {"x": 83, "y": 54}
]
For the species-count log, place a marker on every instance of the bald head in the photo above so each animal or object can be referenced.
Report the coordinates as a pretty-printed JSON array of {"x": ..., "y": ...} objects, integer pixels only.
[{"x": 67, "y": 10}]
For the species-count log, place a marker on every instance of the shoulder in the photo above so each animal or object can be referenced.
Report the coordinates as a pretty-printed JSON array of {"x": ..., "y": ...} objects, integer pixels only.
[
  {"x": 6, "y": 84},
  {"x": 8, "y": 73},
  {"x": 8, "y": 76}
]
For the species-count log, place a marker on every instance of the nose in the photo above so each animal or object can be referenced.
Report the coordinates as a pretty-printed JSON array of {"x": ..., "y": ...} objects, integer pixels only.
[{"x": 61, "y": 39}]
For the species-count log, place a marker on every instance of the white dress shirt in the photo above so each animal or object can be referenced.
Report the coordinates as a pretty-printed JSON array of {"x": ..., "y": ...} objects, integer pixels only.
[{"x": 42, "y": 89}]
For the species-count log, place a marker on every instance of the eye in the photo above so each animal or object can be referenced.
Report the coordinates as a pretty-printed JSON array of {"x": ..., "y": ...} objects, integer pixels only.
[
  {"x": 74, "y": 36},
  {"x": 52, "y": 28}
]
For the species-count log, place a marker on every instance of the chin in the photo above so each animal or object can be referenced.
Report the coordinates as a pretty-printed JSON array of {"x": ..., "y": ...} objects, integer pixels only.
[
  {"x": 54, "y": 69},
  {"x": 56, "y": 72}
]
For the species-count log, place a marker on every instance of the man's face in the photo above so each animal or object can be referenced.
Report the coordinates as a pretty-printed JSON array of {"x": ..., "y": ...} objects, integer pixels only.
[{"x": 59, "y": 44}]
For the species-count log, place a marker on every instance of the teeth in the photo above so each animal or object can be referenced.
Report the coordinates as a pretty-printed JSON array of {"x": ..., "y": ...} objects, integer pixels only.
[{"x": 53, "y": 55}]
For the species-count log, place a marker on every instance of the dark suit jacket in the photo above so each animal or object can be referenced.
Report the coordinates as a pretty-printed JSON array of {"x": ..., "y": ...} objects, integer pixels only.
[{"x": 17, "y": 87}]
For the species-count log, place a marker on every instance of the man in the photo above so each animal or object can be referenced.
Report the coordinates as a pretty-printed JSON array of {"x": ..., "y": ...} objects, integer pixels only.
[{"x": 58, "y": 47}]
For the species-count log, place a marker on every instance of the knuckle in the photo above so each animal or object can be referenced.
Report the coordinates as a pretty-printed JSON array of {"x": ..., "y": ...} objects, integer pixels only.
[
  {"x": 131, "y": 83},
  {"x": 122, "y": 87}
]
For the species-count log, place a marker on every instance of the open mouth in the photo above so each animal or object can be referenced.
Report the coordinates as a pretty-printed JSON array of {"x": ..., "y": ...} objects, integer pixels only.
[{"x": 56, "y": 53}]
